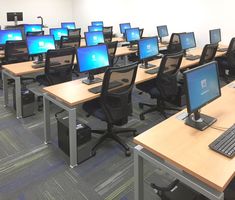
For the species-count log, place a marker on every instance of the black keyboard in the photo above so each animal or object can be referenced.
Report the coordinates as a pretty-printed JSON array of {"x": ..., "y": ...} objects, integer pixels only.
[
  {"x": 98, "y": 89},
  {"x": 152, "y": 71},
  {"x": 192, "y": 57},
  {"x": 225, "y": 143},
  {"x": 222, "y": 49},
  {"x": 42, "y": 64}
]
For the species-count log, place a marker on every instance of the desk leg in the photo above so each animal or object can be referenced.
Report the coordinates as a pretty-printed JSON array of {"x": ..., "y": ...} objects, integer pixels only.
[
  {"x": 5, "y": 88},
  {"x": 138, "y": 175},
  {"x": 72, "y": 137},
  {"x": 18, "y": 98},
  {"x": 47, "y": 121},
  {"x": 125, "y": 60}
]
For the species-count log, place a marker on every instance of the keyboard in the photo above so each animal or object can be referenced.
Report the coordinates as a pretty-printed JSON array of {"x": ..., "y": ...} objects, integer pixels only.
[
  {"x": 98, "y": 89},
  {"x": 225, "y": 143},
  {"x": 152, "y": 71},
  {"x": 222, "y": 49},
  {"x": 192, "y": 57},
  {"x": 41, "y": 64}
]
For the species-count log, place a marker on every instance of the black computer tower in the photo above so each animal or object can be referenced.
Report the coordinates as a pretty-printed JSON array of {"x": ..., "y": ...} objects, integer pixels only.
[{"x": 27, "y": 102}]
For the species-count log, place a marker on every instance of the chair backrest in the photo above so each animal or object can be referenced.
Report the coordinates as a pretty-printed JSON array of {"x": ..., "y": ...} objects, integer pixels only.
[
  {"x": 70, "y": 41},
  {"x": 141, "y": 32},
  {"x": 117, "y": 102},
  {"x": 112, "y": 47},
  {"x": 107, "y": 29},
  {"x": 16, "y": 51},
  {"x": 74, "y": 32},
  {"x": 36, "y": 33},
  {"x": 230, "y": 54},
  {"x": 174, "y": 43},
  {"x": 59, "y": 63},
  {"x": 208, "y": 53},
  {"x": 166, "y": 79},
  {"x": 108, "y": 33}
]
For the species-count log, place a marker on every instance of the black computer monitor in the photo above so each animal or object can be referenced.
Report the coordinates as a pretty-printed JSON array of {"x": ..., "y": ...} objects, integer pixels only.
[
  {"x": 14, "y": 16},
  {"x": 124, "y": 26},
  {"x": 58, "y": 33},
  {"x": 202, "y": 87},
  {"x": 162, "y": 31},
  {"x": 97, "y": 23},
  {"x": 32, "y": 28},
  {"x": 95, "y": 28},
  {"x": 132, "y": 35},
  {"x": 215, "y": 36},
  {"x": 68, "y": 25},
  {"x": 92, "y": 58},
  {"x": 9, "y": 35},
  {"x": 148, "y": 49},
  {"x": 94, "y": 38},
  {"x": 187, "y": 40}
]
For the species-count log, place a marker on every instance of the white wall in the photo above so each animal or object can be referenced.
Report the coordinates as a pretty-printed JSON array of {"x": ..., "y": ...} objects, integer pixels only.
[{"x": 182, "y": 15}]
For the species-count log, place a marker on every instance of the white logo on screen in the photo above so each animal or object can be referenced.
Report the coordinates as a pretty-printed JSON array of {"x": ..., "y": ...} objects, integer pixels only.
[
  {"x": 148, "y": 47},
  {"x": 95, "y": 38},
  {"x": 33, "y": 29},
  {"x": 10, "y": 36},
  {"x": 41, "y": 44},
  {"x": 203, "y": 83},
  {"x": 132, "y": 33},
  {"x": 59, "y": 33},
  {"x": 94, "y": 57}
]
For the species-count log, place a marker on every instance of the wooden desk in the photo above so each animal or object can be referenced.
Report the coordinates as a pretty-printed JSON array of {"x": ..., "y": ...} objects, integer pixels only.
[{"x": 183, "y": 151}]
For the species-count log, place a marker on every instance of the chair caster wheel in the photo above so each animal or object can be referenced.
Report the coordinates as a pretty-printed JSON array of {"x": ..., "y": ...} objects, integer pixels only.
[
  {"x": 128, "y": 153},
  {"x": 141, "y": 105},
  {"x": 142, "y": 117}
]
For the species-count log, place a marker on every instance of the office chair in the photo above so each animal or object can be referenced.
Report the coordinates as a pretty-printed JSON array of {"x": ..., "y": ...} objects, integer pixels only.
[
  {"x": 164, "y": 87},
  {"x": 74, "y": 32},
  {"x": 115, "y": 104},
  {"x": 174, "y": 44},
  {"x": 108, "y": 33},
  {"x": 36, "y": 33},
  {"x": 70, "y": 41},
  {"x": 112, "y": 47},
  {"x": 141, "y": 32},
  {"x": 208, "y": 53}
]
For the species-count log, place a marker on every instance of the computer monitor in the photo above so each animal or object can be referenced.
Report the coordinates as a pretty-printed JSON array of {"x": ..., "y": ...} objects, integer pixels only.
[
  {"x": 32, "y": 28},
  {"x": 215, "y": 36},
  {"x": 92, "y": 58},
  {"x": 14, "y": 16},
  {"x": 95, "y": 28},
  {"x": 97, "y": 23},
  {"x": 124, "y": 26},
  {"x": 94, "y": 38},
  {"x": 162, "y": 31},
  {"x": 148, "y": 49},
  {"x": 187, "y": 40},
  {"x": 58, "y": 33},
  {"x": 132, "y": 35},
  {"x": 38, "y": 45},
  {"x": 202, "y": 87},
  {"x": 68, "y": 25},
  {"x": 9, "y": 35}
]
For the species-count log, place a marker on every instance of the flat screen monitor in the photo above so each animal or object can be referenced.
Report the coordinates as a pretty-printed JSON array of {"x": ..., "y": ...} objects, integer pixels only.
[
  {"x": 215, "y": 36},
  {"x": 40, "y": 44},
  {"x": 14, "y": 16},
  {"x": 202, "y": 87},
  {"x": 92, "y": 58},
  {"x": 95, "y": 28},
  {"x": 9, "y": 35},
  {"x": 148, "y": 49},
  {"x": 32, "y": 28},
  {"x": 162, "y": 31},
  {"x": 124, "y": 26},
  {"x": 94, "y": 38},
  {"x": 187, "y": 40},
  {"x": 97, "y": 23},
  {"x": 58, "y": 32},
  {"x": 68, "y": 25},
  {"x": 132, "y": 34}
]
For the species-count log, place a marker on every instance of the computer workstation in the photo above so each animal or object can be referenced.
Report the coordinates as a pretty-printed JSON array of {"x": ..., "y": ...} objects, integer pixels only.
[
  {"x": 97, "y": 23},
  {"x": 162, "y": 32},
  {"x": 95, "y": 28},
  {"x": 215, "y": 38},
  {"x": 58, "y": 33},
  {"x": 132, "y": 36},
  {"x": 9, "y": 35},
  {"x": 32, "y": 28},
  {"x": 68, "y": 25}
]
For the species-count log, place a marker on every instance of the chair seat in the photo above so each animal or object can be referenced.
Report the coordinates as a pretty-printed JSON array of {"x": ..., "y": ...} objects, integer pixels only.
[{"x": 148, "y": 87}]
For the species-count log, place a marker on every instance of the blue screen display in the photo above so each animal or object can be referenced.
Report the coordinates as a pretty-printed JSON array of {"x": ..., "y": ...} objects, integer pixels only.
[
  {"x": 94, "y": 38},
  {"x": 215, "y": 36},
  {"x": 95, "y": 28},
  {"x": 132, "y": 34},
  {"x": 124, "y": 26},
  {"x": 202, "y": 86},
  {"x": 187, "y": 40},
  {"x": 93, "y": 57},
  {"x": 68, "y": 25},
  {"x": 32, "y": 28},
  {"x": 162, "y": 31},
  {"x": 97, "y": 23},
  {"x": 40, "y": 44},
  {"x": 9, "y": 35},
  {"x": 148, "y": 47},
  {"x": 58, "y": 32}
]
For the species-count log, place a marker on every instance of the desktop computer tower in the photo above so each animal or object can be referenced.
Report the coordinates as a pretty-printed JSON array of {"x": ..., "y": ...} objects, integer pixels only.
[{"x": 27, "y": 102}]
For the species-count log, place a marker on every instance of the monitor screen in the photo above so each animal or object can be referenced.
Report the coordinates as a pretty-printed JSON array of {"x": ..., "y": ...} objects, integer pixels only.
[
  {"x": 94, "y": 38},
  {"x": 32, "y": 28},
  {"x": 162, "y": 31},
  {"x": 68, "y": 25},
  {"x": 215, "y": 36},
  {"x": 58, "y": 32},
  {"x": 93, "y": 57},
  {"x": 12, "y": 16},
  {"x": 132, "y": 34},
  {"x": 9, "y": 35},
  {"x": 187, "y": 40},
  {"x": 97, "y": 23},
  {"x": 148, "y": 48},
  {"x": 124, "y": 26},
  {"x": 40, "y": 44},
  {"x": 95, "y": 28}
]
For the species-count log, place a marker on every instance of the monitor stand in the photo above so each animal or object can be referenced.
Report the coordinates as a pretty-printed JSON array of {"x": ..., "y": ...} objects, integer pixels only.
[
  {"x": 39, "y": 59},
  {"x": 91, "y": 79},
  {"x": 146, "y": 65},
  {"x": 199, "y": 121}
]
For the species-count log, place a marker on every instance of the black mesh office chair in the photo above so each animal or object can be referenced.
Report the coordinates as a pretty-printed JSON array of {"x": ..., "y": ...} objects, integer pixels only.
[
  {"x": 174, "y": 44},
  {"x": 35, "y": 33},
  {"x": 108, "y": 33},
  {"x": 115, "y": 104},
  {"x": 70, "y": 41},
  {"x": 208, "y": 53},
  {"x": 74, "y": 32},
  {"x": 164, "y": 87},
  {"x": 112, "y": 47}
]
